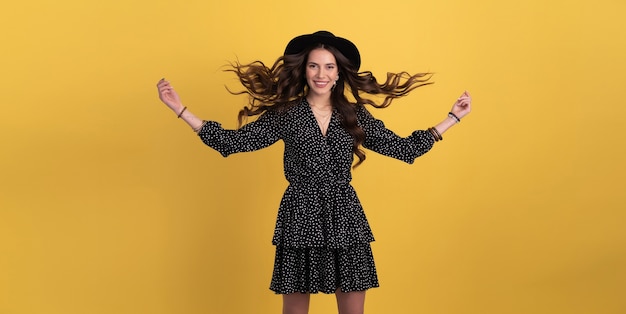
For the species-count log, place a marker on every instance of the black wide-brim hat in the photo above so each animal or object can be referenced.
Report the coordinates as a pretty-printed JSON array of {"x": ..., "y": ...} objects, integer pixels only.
[{"x": 346, "y": 47}]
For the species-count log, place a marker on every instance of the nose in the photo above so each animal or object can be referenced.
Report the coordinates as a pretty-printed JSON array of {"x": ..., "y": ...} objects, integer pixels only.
[{"x": 320, "y": 72}]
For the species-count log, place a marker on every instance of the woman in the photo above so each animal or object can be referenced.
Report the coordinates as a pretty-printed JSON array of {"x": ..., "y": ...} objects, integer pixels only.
[{"x": 322, "y": 236}]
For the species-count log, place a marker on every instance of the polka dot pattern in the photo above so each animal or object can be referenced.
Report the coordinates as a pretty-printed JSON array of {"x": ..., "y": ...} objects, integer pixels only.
[
  {"x": 313, "y": 270},
  {"x": 322, "y": 236}
]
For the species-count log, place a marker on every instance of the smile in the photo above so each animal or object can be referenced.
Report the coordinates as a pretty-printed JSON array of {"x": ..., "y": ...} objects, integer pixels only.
[{"x": 320, "y": 84}]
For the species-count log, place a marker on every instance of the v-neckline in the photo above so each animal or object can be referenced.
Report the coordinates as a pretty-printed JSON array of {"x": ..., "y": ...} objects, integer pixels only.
[{"x": 319, "y": 127}]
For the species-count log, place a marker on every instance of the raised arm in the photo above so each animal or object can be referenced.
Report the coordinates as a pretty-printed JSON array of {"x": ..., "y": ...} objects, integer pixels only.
[
  {"x": 383, "y": 141},
  {"x": 262, "y": 132},
  {"x": 168, "y": 96}
]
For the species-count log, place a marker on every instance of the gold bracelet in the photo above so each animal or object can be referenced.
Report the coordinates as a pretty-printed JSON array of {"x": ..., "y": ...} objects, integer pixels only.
[
  {"x": 438, "y": 134},
  {"x": 181, "y": 112},
  {"x": 200, "y": 127},
  {"x": 433, "y": 131}
]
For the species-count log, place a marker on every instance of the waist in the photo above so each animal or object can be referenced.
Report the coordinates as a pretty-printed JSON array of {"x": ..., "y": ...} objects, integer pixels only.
[{"x": 319, "y": 182}]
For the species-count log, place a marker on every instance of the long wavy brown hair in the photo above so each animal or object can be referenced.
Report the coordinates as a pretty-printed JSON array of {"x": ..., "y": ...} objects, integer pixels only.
[{"x": 284, "y": 84}]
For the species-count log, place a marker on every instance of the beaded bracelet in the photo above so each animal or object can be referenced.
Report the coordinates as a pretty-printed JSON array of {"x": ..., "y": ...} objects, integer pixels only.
[
  {"x": 453, "y": 116},
  {"x": 181, "y": 112}
]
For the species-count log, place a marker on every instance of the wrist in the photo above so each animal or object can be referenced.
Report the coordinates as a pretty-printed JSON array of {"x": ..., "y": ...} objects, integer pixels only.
[
  {"x": 454, "y": 117},
  {"x": 181, "y": 111},
  {"x": 176, "y": 107}
]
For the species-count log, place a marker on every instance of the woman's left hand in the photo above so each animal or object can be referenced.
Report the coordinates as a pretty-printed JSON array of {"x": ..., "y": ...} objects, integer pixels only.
[{"x": 462, "y": 106}]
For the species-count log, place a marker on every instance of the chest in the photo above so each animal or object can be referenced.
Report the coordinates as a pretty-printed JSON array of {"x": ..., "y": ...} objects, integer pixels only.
[{"x": 302, "y": 134}]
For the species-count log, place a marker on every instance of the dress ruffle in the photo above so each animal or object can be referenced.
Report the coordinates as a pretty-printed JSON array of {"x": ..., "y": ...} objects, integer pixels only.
[{"x": 313, "y": 270}]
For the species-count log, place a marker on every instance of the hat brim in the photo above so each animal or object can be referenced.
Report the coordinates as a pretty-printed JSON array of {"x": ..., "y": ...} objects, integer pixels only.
[{"x": 346, "y": 47}]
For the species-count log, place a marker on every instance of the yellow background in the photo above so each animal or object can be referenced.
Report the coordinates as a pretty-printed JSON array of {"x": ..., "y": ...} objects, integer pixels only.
[{"x": 109, "y": 204}]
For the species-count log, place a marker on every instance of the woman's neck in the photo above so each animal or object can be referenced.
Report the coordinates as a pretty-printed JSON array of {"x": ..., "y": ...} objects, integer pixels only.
[{"x": 319, "y": 102}]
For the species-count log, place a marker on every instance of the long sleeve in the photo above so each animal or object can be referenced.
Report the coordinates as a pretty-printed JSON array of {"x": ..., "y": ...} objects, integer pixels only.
[
  {"x": 383, "y": 141},
  {"x": 255, "y": 135}
]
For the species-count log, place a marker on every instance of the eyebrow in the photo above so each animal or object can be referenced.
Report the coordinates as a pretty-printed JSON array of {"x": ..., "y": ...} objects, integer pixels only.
[{"x": 311, "y": 62}]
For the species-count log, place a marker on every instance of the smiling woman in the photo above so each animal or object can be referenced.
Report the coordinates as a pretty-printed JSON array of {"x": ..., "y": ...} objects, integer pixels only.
[{"x": 322, "y": 236}]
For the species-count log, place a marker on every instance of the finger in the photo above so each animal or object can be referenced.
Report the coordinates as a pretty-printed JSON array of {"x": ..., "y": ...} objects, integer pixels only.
[
  {"x": 465, "y": 98},
  {"x": 161, "y": 81},
  {"x": 463, "y": 103},
  {"x": 164, "y": 86},
  {"x": 165, "y": 90}
]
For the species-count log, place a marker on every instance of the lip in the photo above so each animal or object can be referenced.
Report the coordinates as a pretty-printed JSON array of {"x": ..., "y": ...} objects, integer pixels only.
[{"x": 320, "y": 83}]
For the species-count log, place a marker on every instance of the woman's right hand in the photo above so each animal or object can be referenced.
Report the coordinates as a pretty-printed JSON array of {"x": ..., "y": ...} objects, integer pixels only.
[{"x": 168, "y": 96}]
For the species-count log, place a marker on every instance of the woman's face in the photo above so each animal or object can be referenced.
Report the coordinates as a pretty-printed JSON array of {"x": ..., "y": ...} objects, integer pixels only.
[{"x": 321, "y": 71}]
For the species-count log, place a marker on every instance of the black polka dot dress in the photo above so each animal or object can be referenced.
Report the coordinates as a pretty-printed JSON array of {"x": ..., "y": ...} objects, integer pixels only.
[{"x": 322, "y": 236}]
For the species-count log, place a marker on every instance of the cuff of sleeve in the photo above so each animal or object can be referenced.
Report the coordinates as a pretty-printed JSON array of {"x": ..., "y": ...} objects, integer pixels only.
[
  {"x": 423, "y": 135},
  {"x": 207, "y": 127}
]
